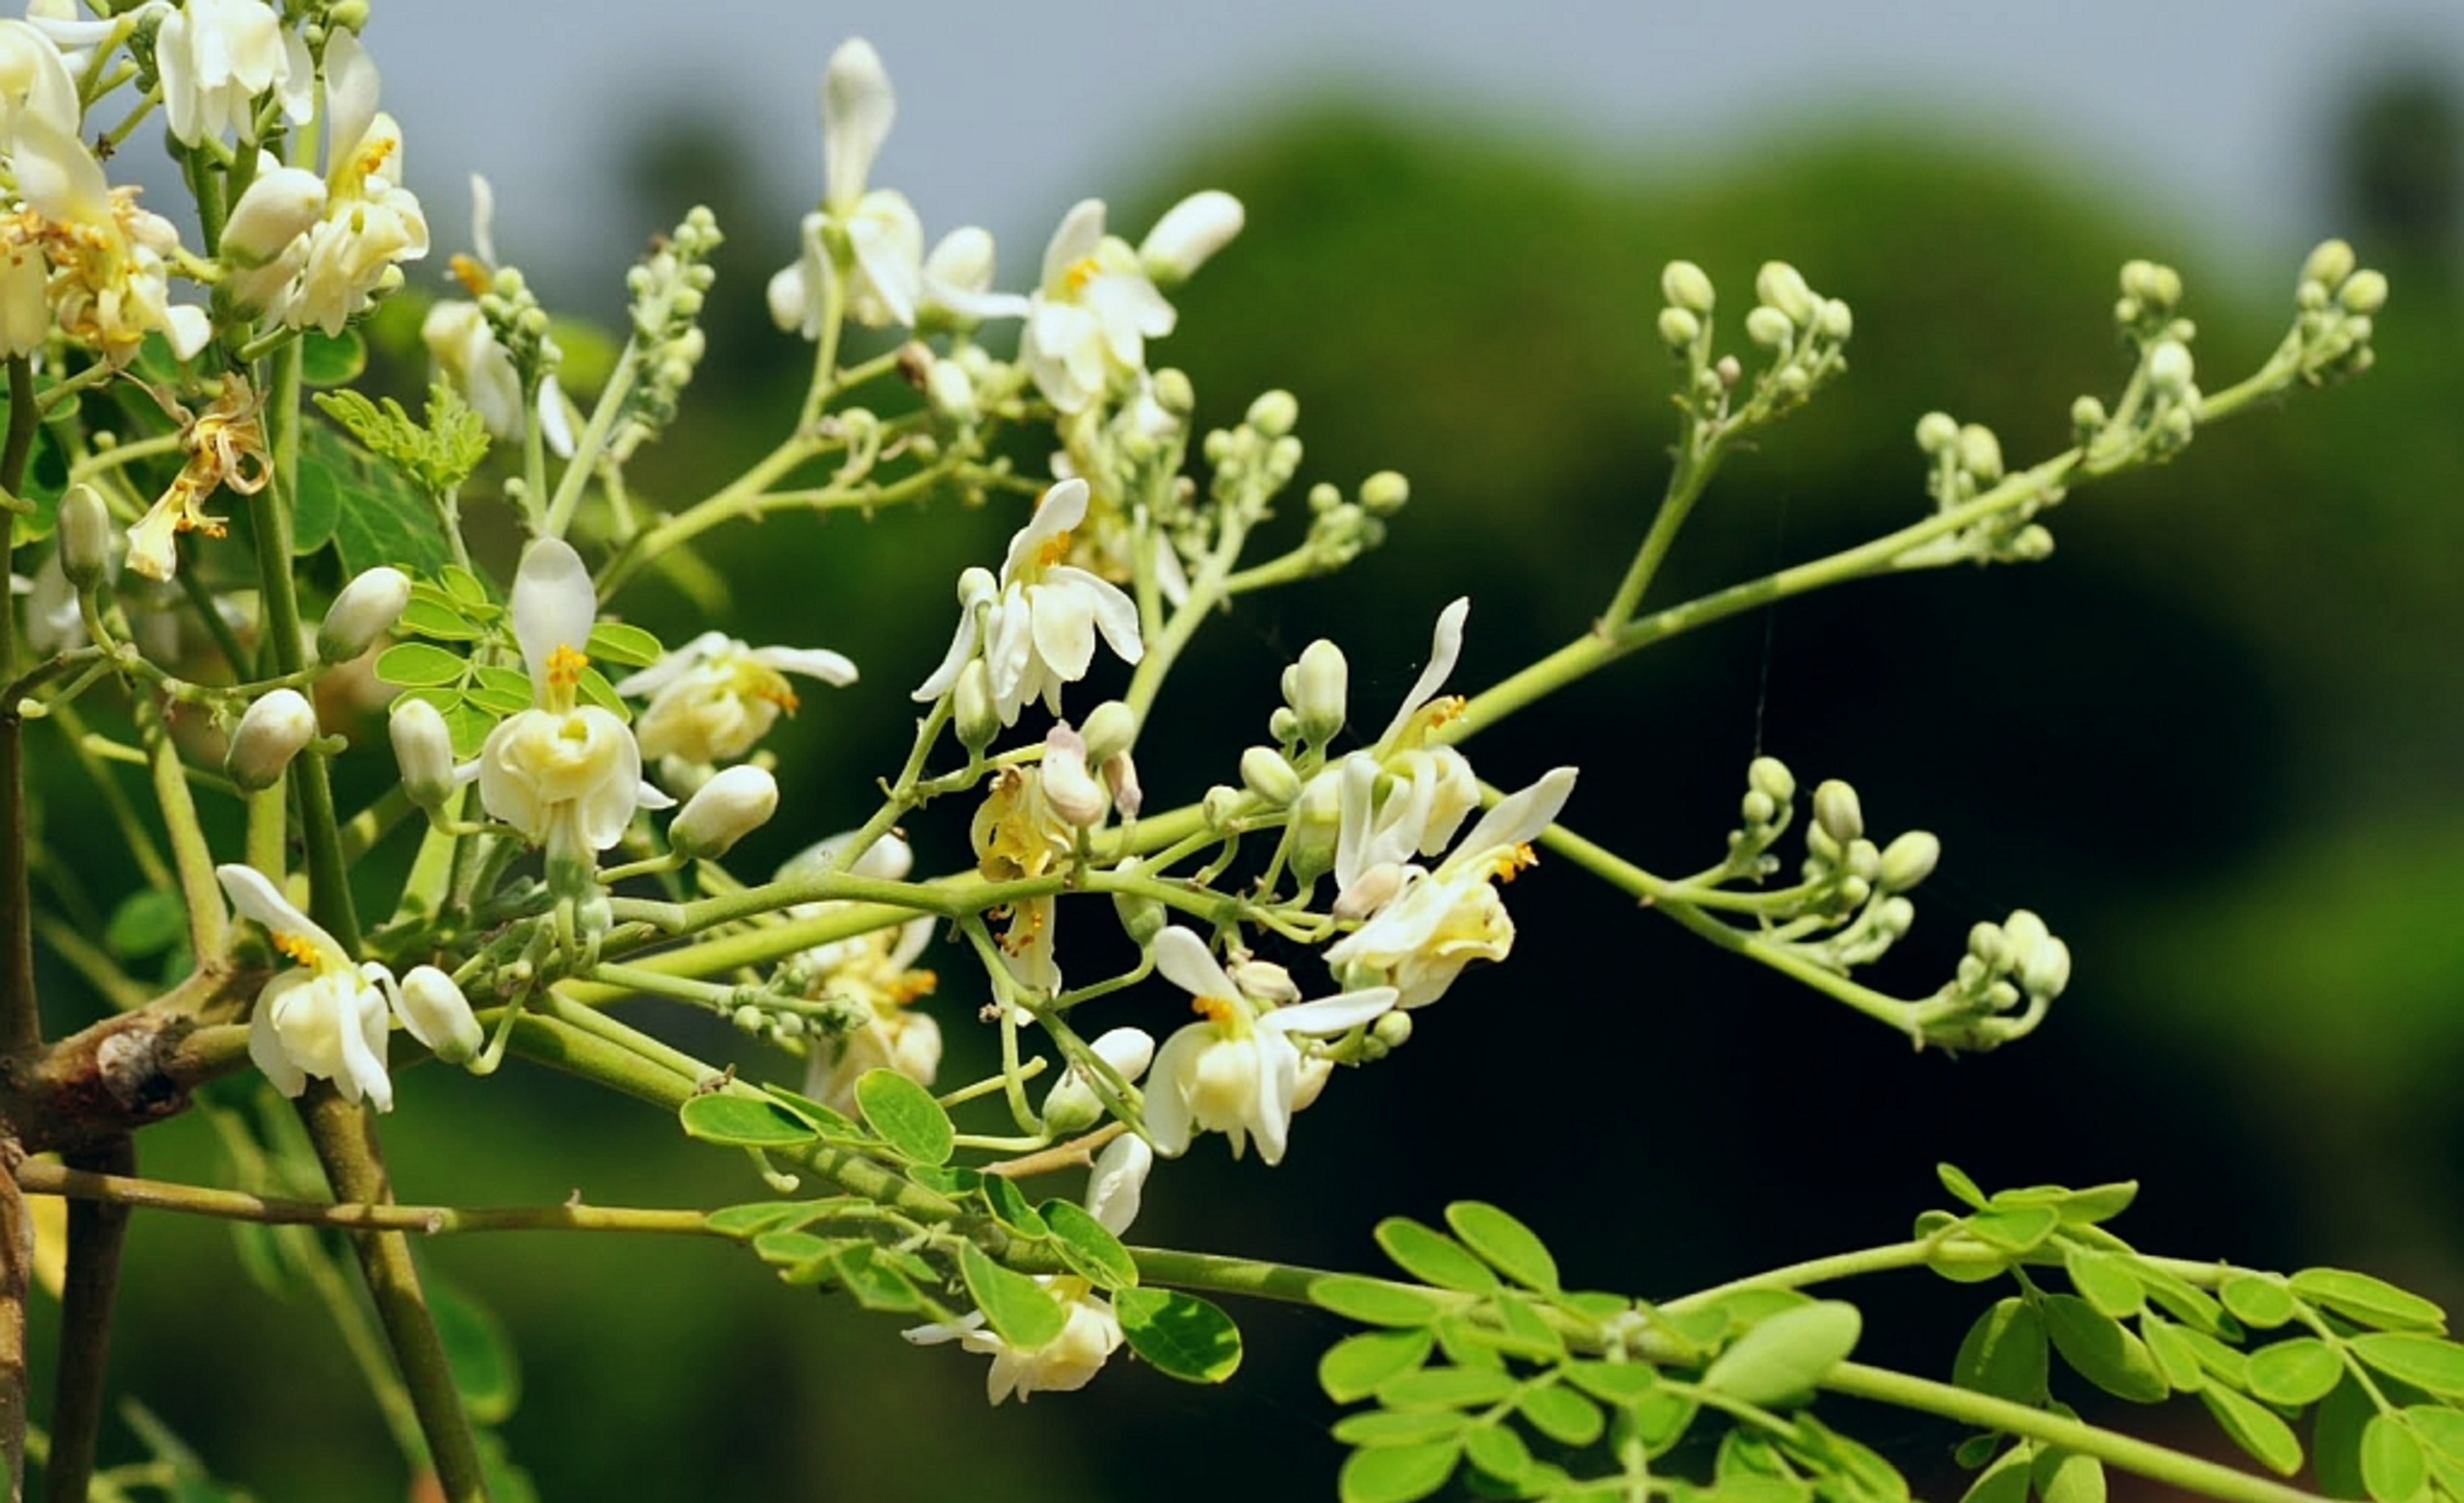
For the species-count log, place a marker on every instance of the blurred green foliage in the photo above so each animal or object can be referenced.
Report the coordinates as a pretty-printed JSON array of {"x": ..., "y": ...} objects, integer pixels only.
[{"x": 2214, "y": 740}]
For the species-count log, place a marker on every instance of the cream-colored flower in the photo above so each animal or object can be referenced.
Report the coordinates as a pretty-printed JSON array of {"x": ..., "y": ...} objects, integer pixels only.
[
  {"x": 1037, "y": 625},
  {"x": 110, "y": 261},
  {"x": 472, "y": 360},
  {"x": 884, "y": 237},
  {"x": 714, "y": 697},
  {"x": 328, "y": 1018},
  {"x": 214, "y": 56},
  {"x": 1017, "y": 834},
  {"x": 1089, "y": 322},
  {"x": 1428, "y": 925},
  {"x": 371, "y": 223},
  {"x": 1238, "y": 1072}
]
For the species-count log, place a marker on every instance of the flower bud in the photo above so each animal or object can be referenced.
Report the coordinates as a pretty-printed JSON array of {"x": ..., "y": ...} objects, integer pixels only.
[
  {"x": 271, "y": 733},
  {"x": 1779, "y": 285},
  {"x": 366, "y": 609},
  {"x": 1678, "y": 329},
  {"x": 1275, "y": 413},
  {"x": 2365, "y": 294},
  {"x": 2329, "y": 265},
  {"x": 1863, "y": 861},
  {"x": 1837, "y": 810},
  {"x": 1936, "y": 431},
  {"x": 1686, "y": 286},
  {"x": 1284, "y": 725},
  {"x": 1769, "y": 327},
  {"x": 1383, "y": 494},
  {"x": 423, "y": 750},
  {"x": 951, "y": 392},
  {"x": 1220, "y": 807},
  {"x": 1067, "y": 786},
  {"x": 1393, "y": 1029},
  {"x": 85, "y": 537},
  {"x": 733, "y": 804},
  {"x": 1187, "y": 236},
  {"x": 1316, "y": 820},
  {"x": 1110, "y": 730},
  {"x": 438, "y": 1015},
  {"x": 1141, "y": 918},
  {"x": 1318, "y": 686},
  {"x": 1980, "y": 453},
  {"x": 2170, "y": 368},
  {"x": 2088, "y": 418},
  {"x": 2022, "y": 933},
  {"x": 1756, "y": 807},
  {"x": 1909, "y": 860},
  {"x": 2048, "y": 970},
  {"x": 1265, "y": 773},
  {"x": 2155, "y": 287},
  {"x": 1770, "y": 776},
  {"x": 1834, "y": 323},
  {"x": 978, "y": 718}
]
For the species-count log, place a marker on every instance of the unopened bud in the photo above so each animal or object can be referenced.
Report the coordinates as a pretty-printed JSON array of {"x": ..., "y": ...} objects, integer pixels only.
[
  {"x": 1068, "y": 786},
  {"x": 1756, "y": 807},
  {"x": 1779, "y": 285},
  {"x": 438, "y": 1015},
  {"x": 1265, "y": 773},
  {"x": 2022, "y": 933},
  {"x": 1980, "y": 453},
  {"x": 1393, "y": 1029},
  {"x": 1987, "y": 946},
  {"x": 1071, "y": 1106},
  {"x": 1111, "y": 729},
  {"x": 2170, "y": 369},
  {"x": 424, "y": 752},
  {"x": 1770, "y": 776},
  {"x": 1686, "y": 286},
  {"x": 1936, "y": 431},
  {"x": 281, "y": 204},
  {"x": 1835, "y": 322},
  {"x": 972, "y": 709},
  {"x": 1141, "y": 918},
  {"x": 1769, "y": 327},
  {"x": 1221, "y": 807},
  {"x": 84, "y": 539},
  {"x": 366, "y": 609},
  {"x": 1837, "y": 810},
  {"x": 1187, "y": 236},
  {"x": 2366, "y": 292},
  {"x": 2329, "y": 265},
  {"x": 1909, "y": 860},
  {"x": 951, "y": 392},
  {"x": 1284, "y": 724},
  {"x": 2048, "y": 970},
  {"x": 1678, "y": 329},
  {"x": 2156, "y": 287},
  {"x": 1275, "y": 413},
  {"x": 1863, "y": 861},
  {"x": 732, "y": 805},
  {"x": 1895, "y": 917},
  {"x": 2088, "y": 418},
  {"x": 1318, "y": 686},
  {"x": 271, "y": 733},
  {"x": 1316, "y": 820}
]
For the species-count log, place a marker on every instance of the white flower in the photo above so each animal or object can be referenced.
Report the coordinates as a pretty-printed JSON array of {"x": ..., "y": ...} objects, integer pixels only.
[
  {"x": 1428, "y": 925},
  {"x": 1090, "y": 1331},
  {"x": 370, "y": 222},
  {"x": 1236, "y": 1073},
  {"x": 876, "y": 969},
  {"x": 1037, "y": 625},
  {"x": 1189, "y": 235},
  {"x": 471, "y": 357},
  {"x": 723, "y": 812},
  {"x": 1089, "y": 322},
  {"x": 110, "y": 281},
  {"x": 884, "y": 237},
  {"x": 1401, "y": 798},
  {"x": 714, "y": 697},
  {"x": 217, "y": 56},
  {"x": 265, "y": 242},
  {"x": 34, "y": 79},
  {"x": 327, "y": 1019},
  {"x": 568, "y": 777},
  {"x": 958, "y": 282},
  {"x": 1017, "y": 834}
]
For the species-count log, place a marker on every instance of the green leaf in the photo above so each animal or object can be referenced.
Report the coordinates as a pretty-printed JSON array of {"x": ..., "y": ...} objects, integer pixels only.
[
  {"x": 1618, "y": 1383},
  {"x": 1010, "y": 1206},
  {"x": 2392, "y": 1464},
  {"x": 1091, "y": 1250},
  {"x": 2104, "y": 1281},
  {"x": 1466, "y": 1344},
  {"x": 1496, "y": 1449},
  {"x": 317, "y": 511},
  {"x": 466, "y": 587},
  {"x": 1020, "y": 1310},
  {"x": 1511, "y": 1248},
  {"x": 1431, "y": 1257},
  {"x": 1355, "y": 1367},
  {"x": 2426, "y": 1361},
  {"x": 2441, "y": 1429},
  {"x": 2006, "y": 1481},
  {"x": 1396, "y": 1473},
  {"x": 1957, "y": 1182},
  {"x": 2335, "y": 1439},
  {"x": 2192, "y": 1306},
  {"x": 2373, "y": 1302},
  {"x": 755, "y": 1217},
  {"x": 2255, "y": 1428},
  {"x": 332, "y": 360},
  {"x": 1563, "y": 1415},
  {"x": 417, "y": 665},
  {"x": 1399, "y": 1426},
  {"x": 2295, "y": 1373},
  {"x": 486, "y": 1372},
  {"x": 381, "y": 519},
  {"x": 2014, "y": 1229},
  {"x": 1660, "y": 1418},
  {"x": 147, "y": 923},
  {"x": 595, "y": 689},
  {"x": 2257, "y": 1300},
  {"x": 873, "y": 1283},
  {"x": 1373, "y": 1302},
  {"x": 1786, "y": 1356},
  {"x": 2004, "y": 1354},
  {"x": 2097, "y": 1203},
  {"x": 1446, "y": 1388},
  {"x": 2101, "y": 1351},
  {"x": 626, "y": 646},
  {"x": 743, "y": 1122},
  {"x": 2221, "y": 1361},
  {"x": 431, "y": 616},
  {"x": 1181, "y": 1335},
  {"x": 2175, "y": 1356},
  {"x": 905, "y": 1117},
  {"x": 2068, "y": 1477},
  {"x": 791, "y": 1247}
]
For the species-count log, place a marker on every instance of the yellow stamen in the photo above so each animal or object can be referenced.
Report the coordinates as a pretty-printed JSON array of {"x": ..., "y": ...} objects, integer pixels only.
[
  {"x": 1450, "y": 707},
  {"x": 1081, "y": 273},
  {"x": 1054, "y": 551},
  {"x": 299, "y": 947},
  {"x": 565, "y": 666},
  {"x": 1214, "y": 1010},
  {"x": 472, "y": 276},
  {"x": 1512, "y": 859},
  {"x": 906, "y": 989}
]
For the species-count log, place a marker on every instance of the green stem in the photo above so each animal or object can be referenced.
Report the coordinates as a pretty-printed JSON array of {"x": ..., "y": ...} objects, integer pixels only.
[
  {"x": 346, "y": 1141},
  {"x": 2143, "y": 1457},
  {"x": 96, "y": 1230},
  {"x": 20, "y": 1012},
  {"x": 189, "y": 854},
  {"x": 727, "y": 502},
  {"x": 86, "y": 1188},
  {"x": 592, "y": 441},
  {"x": 1697, "y": 463}
]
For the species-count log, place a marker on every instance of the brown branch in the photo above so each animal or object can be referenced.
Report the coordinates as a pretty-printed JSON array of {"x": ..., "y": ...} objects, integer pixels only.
[{"x": 96, "y": 1232}]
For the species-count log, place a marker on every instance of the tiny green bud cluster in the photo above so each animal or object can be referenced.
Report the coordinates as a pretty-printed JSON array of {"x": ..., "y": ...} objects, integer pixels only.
[
  {"x": 668, "y": 289},
  {"x": 2338, "y": 301}
]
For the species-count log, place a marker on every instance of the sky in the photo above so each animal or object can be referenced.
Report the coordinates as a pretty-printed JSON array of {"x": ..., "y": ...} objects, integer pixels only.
[{"x": 1008, "y": 111}]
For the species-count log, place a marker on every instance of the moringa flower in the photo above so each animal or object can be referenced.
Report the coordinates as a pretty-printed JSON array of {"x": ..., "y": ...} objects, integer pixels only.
[
  {"x": 215, "y": 57},
  {"x": 227, "y": 450},
  {"x": 110, "y": 261},
  {"x": 370, "y": 222},
  {"x": 714, "y": 697},
  {"x": 1236, "y": 1073},
  {"x": 877, "y": 969},
  {"x": 1037, "y": 624},
  {"x": 326, "y": 1019},
  {"x": 1089, "y": 320}
]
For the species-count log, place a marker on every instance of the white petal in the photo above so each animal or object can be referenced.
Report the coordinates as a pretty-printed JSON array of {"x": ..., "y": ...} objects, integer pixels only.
[
  {"x": 257, "y": 897},
  {"x": 1080, "y": 230},
  {"x": 888, "y": 242},
  {"x": 831, "y": 668},
  {"x": 1116, "y": 614},
  {"x": 351, "y": 87},
  {"x": 1168, "y": 1106},
  {"x": 483, "y": 220},
  {"x": 1516, "y": 818},
  {"x": 1127, "y": 1050},
  {"x": 1060, "y": 509},
  {"x": 1443, "y": 647},
  {"x": 675, "y": 664},
  {"x": 1184, "y": 960},
  {"x": 1278, "y": 1075},
  {"x": 265, "y": 1047},
  {"x": 1328, "y": 1016},
  {"x": 553, "y": 605},
  {"x": 857, "y": 108},
  {"x": 1189, "y": 234},
  {"x": 1119, "y": 1181},
  {"x": 1062, "y": 622}
]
